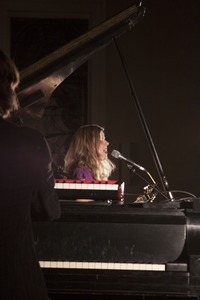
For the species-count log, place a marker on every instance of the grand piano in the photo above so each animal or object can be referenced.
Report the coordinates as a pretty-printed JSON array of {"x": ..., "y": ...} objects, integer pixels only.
[{"x": 107, "y": 246}]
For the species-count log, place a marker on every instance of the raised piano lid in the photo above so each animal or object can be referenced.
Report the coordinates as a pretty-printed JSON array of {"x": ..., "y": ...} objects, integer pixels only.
[{"x": 39, "y": 80}]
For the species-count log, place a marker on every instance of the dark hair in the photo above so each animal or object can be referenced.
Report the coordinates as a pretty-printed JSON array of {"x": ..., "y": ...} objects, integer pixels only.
[{"x": 9, "y": 80}]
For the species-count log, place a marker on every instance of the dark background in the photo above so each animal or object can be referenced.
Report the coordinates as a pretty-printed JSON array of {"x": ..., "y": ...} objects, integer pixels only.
[{"x": 162, "y": 56}]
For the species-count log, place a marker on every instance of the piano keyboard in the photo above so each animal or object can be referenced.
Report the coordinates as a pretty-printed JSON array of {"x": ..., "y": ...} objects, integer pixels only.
[
  {"x": 101, "y": 266},
  {"x": 86, "y": 184},
  {"x": 70, "y": 189}
]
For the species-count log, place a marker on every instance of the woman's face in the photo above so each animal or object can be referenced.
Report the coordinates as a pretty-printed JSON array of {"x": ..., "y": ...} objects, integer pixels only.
[{"x": 103, "y": 147}]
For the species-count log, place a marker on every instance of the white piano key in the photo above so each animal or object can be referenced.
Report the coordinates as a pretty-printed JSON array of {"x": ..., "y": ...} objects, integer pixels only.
[
  {"x": 53, "y": 264},
  {"x": 60, "y": 264},
  {"x": 111, "y": 266},
  {"x": 66, "y": 264},
  {"x": 41, "y": 264}
]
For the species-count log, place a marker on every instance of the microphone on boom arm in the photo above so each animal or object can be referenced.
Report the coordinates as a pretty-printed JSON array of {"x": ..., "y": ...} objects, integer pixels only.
[
  {"x": 151, "y": 190},
  {"x": 149, "y": 193},
  {"x": 117, "y": 154}
]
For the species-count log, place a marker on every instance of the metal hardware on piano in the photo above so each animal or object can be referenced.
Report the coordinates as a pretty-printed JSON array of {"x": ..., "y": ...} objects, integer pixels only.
[{"x": 95, "y": 190}]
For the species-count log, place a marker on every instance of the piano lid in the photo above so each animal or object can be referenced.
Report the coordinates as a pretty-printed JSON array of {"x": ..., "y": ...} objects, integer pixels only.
[{"x": 39, "y": 80}]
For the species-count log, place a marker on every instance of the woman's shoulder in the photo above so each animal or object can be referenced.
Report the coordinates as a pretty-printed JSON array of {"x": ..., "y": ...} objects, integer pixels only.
[{"x": 83, "y": 173}]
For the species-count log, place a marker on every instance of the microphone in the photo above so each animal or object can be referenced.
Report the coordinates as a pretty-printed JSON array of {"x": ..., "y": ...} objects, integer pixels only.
[{"x": 117, "y": 154}]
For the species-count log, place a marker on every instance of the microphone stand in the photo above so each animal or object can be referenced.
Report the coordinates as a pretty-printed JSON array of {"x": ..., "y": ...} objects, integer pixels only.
[
  {"x": 152, "y": 185},
  {"x": 146, "y": 130}
]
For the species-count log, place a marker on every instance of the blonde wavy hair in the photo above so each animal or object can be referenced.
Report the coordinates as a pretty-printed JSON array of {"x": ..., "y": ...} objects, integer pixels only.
[{"x": 83, "y": 152}]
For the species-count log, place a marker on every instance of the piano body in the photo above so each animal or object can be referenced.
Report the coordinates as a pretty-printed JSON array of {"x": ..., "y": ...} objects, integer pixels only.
[
  {"x": 112, "y": 248},
  {"x": 109, "y": 249}
]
